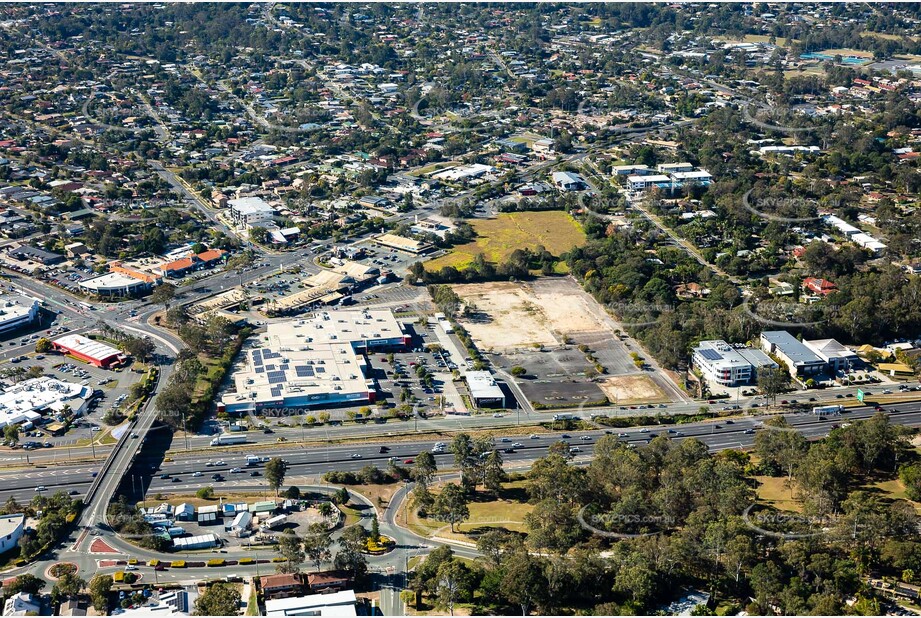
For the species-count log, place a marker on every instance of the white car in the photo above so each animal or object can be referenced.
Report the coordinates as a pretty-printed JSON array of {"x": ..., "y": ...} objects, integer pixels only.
[
  {"x": 534, "y": 436},
  {"x": 196, "y": 474},
  {"x": 497, "y": 415},
  {"x": 517, "y": 445},
  {"x": 220, "y": 463},
  {"x": 356, "y": 455},
  {"x": 575, "y": 449},
  {"x": 585, "y": 438},
  {"x": 235, "y": 470},
  {"x": 644, "y": 430}
]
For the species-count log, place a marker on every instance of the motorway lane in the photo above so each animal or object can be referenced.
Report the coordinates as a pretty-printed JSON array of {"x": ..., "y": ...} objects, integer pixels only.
[{"x": 313, "y": 462}]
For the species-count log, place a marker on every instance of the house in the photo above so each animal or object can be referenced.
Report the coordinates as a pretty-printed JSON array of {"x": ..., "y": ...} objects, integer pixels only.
[
  {"x": 822, "y": 287},
  {"x": 543, "y": 148},
  {"x": 73, "y": 607},
  {"x": 281, "y": 586},
  {"x": 328, "y": 581},
  {"x": 184, "y": 512}
]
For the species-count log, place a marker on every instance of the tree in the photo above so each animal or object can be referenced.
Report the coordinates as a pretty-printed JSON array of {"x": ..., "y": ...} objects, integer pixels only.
[
  {"x": 43, "y": 345},
  {"x": 219, "y": 599},
  {"x": 67, "y": 587},
  {"x": 493, "y": 474},
  {"x": 290, "y": 548},
  {"x": 424, "y": 468},
  {"x": 523, "y": 582},
  {"x": 773, "y": 381},
  {"x": 163, "y": 294},
  {"x": 205, "y": 493},
  {"x": 24, "y": 583},
  {"x": 317, "y": 544},
  {"x": 11, "y": 433},
  {"x": 100, "y": 590},
  {"x": 241, "y": 262},
  {"x": 781, "y": 444},
  {"x": 275, "y": 471},
  {"x": 451, "y": 578},
  {"x": 518, "y": 371},
  {"x": 259, "y": 235},
  {"x": 910, "y": 476},
  {"x": 451, "y": 505},
  {"x": 350, "y": 557}
]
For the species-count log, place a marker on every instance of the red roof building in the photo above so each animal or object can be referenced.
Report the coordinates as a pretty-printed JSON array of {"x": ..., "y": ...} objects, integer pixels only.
[
  {"x": 88, "y": 350},
  {"x": 822, "y": 287}
]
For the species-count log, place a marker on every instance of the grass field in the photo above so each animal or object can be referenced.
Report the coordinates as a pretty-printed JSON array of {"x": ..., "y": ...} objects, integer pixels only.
[
  {"x": 776, "y": 492},
  {"x": 496, "y": 238},
  {"x": 506, "y": 512}
]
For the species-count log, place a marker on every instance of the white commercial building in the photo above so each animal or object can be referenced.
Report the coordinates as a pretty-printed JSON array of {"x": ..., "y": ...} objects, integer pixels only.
[
  {"x": 114, "y": 285},
  {"x": 484, "y": 391},
  {"x": 719, "y": 362},
  {"x": 202, "y": 541},
  {"x": 22, "y": 604},
  {"x": 11, "y": 527},
  {"x": 27, "y": 400},
  {"x": 799, "y": 358},
  {"x": 240, "y": 525},
  {"x": 250, "y": 211},
  {"x": 333, "y": 605},
  {"x": 314, "y": 362},
  {"x": 17, "y": 310},
  {"x": 835, "y": 354}
]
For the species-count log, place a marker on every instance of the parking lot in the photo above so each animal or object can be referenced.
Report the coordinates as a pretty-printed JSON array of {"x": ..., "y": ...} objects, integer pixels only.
[{"x": 113, "y": 385}]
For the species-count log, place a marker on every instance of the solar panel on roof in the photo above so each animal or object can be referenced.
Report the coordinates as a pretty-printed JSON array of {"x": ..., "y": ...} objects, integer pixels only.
[
  {"x": 321, "y": 369},
  {"x": 257, "y": 361},
  {"x": 276, "y": 377},
  {"x": 276, "y": 391},
  {"x": 284, "y": 367},
  {"x": 712, "y": 355},
  {"x": 270, "y": 367},
  {"x": 304, "y": 371},
  {"x": 260, "y": 369}
]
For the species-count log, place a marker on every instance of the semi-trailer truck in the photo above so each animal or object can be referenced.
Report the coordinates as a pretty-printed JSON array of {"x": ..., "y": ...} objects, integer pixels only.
[
  {"x": 836, "y": 409},
  {"x": 225, "y": 439}
]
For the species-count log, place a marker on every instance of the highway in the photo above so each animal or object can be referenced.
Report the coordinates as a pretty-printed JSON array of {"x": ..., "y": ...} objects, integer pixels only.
[{"x": 312, "y": 462}]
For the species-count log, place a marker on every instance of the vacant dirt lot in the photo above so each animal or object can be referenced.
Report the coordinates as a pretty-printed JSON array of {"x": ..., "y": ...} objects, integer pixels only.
[
  {"x": 521, "y": 315},
  {"x": 625, "y": 390}
]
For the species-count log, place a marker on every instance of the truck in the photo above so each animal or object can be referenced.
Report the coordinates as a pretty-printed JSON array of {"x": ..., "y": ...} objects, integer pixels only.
[
  {"x": 564, "y": 417},
  {"x": 237, "y": 427},
  {"x": 224, "y": 439},
  {"x": 253, "y": 460},
  {"x": 836, "y": 409}
]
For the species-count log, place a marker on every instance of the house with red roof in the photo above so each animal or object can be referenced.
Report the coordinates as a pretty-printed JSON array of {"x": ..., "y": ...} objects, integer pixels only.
[{"x": 822, "y": 287}]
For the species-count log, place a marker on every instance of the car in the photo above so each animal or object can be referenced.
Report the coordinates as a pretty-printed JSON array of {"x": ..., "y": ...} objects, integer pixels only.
[
  {"x": 356, "y": 455},
  {"x": 784, "y": 402},
  {"x": 384, "y": 449},
  {"x": 47, "y": 444},
  {"x": 197, "y": 473},
  {"x": 505, "y": 440},
  {"x": 749, "y": 432},
  {"x": 210, "y": 464},
  {"x": 408, "y": 461},
  {"x": 672, "y": 431},
  {"x": 508, "y": 450},
  {"x": 644, "y": 430},
  {"x": 176, "y": 479},
  {"x": 575, "y": 449},
  {"x": 236, "y": 470},
  {"x": 41, "y": 488},
  {"x": 220, "y": 463},
  {"x": 679, "y": 434},
  {"x": 812, "y": 399},
  {"x": 73, "y": 492},
  {"x": 534, "y": 436},
  {"x": 517, "y": 445},
  {"x": 255, "y": 473},
  {"x": 622, "y": 435},
  {"x": 839, "y": 396},
  {"x": 267, "y": 430},
  {"x": 216, "y": 477},
  {"x": 585, "y": 438},
  {"x": 565, "y": 436},
  {"x": 164, "y": 476},
  {"x": 134, "y": 436},
  {"x": 131, "y": 567},
  {"x": 497, "y": 415}
]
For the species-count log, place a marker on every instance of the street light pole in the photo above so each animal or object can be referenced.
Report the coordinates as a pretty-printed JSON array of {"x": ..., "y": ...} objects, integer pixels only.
[{"x": 92, "y": 441}]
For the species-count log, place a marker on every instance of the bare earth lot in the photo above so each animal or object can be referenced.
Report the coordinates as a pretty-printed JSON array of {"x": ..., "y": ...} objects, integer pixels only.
[
  {"x": 626, "y": 390},
  {"x": 540, "y": 326},
  {"x": 526, "y": 315}
]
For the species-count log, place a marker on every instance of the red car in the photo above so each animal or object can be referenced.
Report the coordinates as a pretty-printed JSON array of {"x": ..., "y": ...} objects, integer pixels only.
[{"x": 407, "y": 461}]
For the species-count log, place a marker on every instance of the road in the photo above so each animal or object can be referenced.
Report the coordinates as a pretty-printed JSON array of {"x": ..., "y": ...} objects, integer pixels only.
[{"x": 311, "y": 462}]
